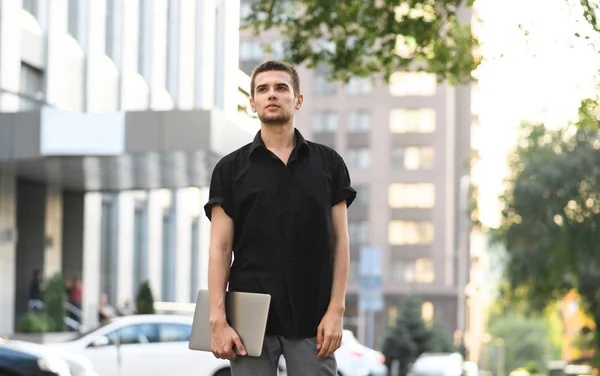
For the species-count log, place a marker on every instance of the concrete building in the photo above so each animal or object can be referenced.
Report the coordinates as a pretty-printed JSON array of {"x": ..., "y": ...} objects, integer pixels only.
[
  {"x": 110, "y": 111},
  {"x": 407, "y": 144}
]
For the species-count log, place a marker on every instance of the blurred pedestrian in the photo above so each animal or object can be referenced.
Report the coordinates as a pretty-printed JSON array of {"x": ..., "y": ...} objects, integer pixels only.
[
  {"x": 35, "y": 302},
  {"x": 280, "y": 205}
]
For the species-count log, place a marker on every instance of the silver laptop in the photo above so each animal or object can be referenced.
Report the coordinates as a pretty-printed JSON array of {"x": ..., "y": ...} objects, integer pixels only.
[{"x": 246, "y": 313}]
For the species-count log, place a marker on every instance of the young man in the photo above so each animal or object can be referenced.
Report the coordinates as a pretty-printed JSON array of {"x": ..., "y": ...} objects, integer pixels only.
[{"x": 280, "y": 205}]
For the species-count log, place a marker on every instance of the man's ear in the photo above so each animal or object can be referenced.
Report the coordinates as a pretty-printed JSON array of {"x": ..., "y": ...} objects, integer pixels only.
[
  {"x": 252, "y": 105},
  {"x": 299, "y": 101}
]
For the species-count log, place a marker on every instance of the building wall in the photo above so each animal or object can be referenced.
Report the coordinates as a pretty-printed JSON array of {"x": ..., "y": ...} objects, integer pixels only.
[{"x": 104, "y": 56}]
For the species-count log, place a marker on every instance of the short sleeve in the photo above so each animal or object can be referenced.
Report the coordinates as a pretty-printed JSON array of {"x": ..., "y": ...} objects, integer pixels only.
[
  {"x": 342, "y": 188},
  {"x": 220, "y": 192}
]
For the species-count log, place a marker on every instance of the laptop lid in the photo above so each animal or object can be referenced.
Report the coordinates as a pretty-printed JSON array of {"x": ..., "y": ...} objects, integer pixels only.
[{"x": 246, "y": 313}]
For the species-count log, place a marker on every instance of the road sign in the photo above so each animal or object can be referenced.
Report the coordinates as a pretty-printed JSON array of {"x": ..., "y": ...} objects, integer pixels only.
[{"x": 370, "y": 296}]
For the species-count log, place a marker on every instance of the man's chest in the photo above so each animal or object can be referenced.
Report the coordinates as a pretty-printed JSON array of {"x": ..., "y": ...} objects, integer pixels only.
[{"x": 268, "y": 184}]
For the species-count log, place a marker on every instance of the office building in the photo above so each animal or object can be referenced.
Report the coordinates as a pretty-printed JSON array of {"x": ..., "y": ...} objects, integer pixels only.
[
  {"x": 110, "y": 111},
  {"x": 407, "y": 145}
]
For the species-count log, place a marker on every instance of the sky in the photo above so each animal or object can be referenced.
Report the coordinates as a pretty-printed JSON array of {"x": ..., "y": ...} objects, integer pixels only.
[{"x": 541, "y": 76}]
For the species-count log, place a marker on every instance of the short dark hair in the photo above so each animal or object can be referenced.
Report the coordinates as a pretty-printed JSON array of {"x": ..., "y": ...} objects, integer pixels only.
[{"x": 273, "y": 65}]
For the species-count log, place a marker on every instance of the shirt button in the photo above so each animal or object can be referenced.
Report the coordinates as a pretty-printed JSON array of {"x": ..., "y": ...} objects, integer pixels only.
[
  {"x": 287, "y": 234},
  {"x": 286, "y": 210},
  {"x": 288, "y": 259},
  {"x": 289, "y": 284}
]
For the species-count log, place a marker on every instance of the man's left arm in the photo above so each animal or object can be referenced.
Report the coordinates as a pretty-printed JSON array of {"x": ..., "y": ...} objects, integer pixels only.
[
  {"x": 329, "y": 332},
  {"x": 331, "y": 328}
]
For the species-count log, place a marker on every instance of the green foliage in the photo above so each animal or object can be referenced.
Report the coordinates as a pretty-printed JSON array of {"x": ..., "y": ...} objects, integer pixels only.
[
  {"x": 551, "y": 217},
  {"x": 55, "y": 298},
  {"x": 526, "y": 342},
  {"x": 33, "y": 323},
  {"x": 144, "y": 302},
  {"x": 410, "y": 336},
  {"x": 440, "y": 340},
  {"x": 366, "y": 38}
]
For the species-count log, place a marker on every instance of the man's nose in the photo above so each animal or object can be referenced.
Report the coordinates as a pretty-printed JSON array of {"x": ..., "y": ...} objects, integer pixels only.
[{"x": 272, "y": 94}]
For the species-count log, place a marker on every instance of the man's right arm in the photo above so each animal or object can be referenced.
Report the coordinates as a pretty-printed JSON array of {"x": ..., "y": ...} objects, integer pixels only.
[{"x": 220, "y": 256}]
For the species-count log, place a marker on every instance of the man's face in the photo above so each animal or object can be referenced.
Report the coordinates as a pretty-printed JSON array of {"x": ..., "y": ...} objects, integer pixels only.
[{"x": 274, "y": 101}]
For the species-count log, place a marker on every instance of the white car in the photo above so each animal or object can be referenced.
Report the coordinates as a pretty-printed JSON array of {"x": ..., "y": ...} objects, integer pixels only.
[
  {"x": 147, "y": 345},
  {"x": 354, "y": 359}
]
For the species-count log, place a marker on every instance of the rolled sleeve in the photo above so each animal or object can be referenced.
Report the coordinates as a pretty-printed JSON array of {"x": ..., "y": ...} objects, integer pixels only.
[
  {"x": 220, "y": 190},
  {"x": 342, "y": 187}
]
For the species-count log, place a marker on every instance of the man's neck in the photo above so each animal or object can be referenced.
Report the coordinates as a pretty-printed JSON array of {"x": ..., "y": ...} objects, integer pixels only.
[{"x": 278, "y": 137}]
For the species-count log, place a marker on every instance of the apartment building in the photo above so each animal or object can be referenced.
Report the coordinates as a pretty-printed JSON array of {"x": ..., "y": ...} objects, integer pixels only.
[
  {"x": 407, "y": 145},
  {"x": 110, "y": 110}
]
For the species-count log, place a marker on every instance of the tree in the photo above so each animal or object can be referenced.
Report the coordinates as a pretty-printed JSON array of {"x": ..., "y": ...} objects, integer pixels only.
[
  {"x": 525, "y": 342},
  {"x": 371, "y": 37},
  {"x": 144, "y": 303},
  {"x": 440, "y": 340},
  {"x": 410, "y": 336},
  {"x": 551, "y": 217}
]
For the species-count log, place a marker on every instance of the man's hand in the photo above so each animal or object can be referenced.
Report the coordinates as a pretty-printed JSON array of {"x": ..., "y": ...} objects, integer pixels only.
[
  {"x": 329, "y": 334},
  {"x": 225, "y": 342}
]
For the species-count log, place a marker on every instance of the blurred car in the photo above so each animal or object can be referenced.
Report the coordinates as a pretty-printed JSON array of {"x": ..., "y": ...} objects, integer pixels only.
[
  {"x": 145, "y": 345},
  {"x": 15, "y": 361},
  {"x": 79, "y": 365},
  {"x": 354, "y": 359}
]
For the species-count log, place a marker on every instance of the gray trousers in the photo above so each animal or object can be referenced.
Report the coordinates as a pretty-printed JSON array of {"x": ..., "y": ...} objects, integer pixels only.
[{"x": 300, "y": 359}]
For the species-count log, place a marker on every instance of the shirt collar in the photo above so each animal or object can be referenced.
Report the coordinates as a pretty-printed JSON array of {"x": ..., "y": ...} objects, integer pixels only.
[{"x": 258, "y": 142}]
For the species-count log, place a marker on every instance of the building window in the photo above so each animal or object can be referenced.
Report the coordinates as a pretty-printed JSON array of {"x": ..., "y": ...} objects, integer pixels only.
[
  {"x": 419, "y": 271},
  {"x": 73, "y": 15},
  {"x": 31, "y": 6},
  {"x": 363, "y": 193},
  {"x": 413, "y": 157},
  {"x": 413, "y": 84},
  {"x": 427, "y": 312},
  {"x": 322, "y": 85},
  {"x": 324, "y": 121},
  {"x": 420, "y": 120},
  {"x": 359, "y": 233},
  {"x": 424, "y": 272},
  {"x": 32, "y": 88},
  {"x": 411, "y": 195},
  {"x": 251, "y": 50},
  {"x": 359, "y": 86},
  {"x": 358, "y": 122},
  {"x": 358, "y": 159},
  {"x": 402, "y": 271},
  {"x": 410, "y": 232}
]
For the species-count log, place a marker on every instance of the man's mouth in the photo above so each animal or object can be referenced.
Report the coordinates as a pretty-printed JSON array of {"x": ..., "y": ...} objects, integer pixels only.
[{"x": 272, "y": 106}]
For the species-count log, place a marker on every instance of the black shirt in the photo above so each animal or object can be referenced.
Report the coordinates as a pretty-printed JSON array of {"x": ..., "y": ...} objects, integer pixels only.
[{"x": 283, "y": 239}]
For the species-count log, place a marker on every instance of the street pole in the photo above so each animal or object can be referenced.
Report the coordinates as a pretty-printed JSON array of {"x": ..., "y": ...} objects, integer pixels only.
[
  {"x": 462, "y": 253},
  {"x": 370, "y": 329}
]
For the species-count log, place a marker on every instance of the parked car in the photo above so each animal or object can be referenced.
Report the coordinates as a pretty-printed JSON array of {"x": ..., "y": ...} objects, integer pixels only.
[
  {"x": 145, "y": 345},
  {"x": 354, "y": 359},
  {"x": 15, "y": 361},
  {"x": 79, "y": 365}
]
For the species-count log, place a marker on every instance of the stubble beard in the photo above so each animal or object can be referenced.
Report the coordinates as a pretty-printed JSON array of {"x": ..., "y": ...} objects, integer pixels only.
[{"x": 275, "y": 120}]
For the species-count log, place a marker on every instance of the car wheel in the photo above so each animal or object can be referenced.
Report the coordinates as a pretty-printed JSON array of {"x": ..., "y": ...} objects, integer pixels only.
[{"x": 222, "y": 372}]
